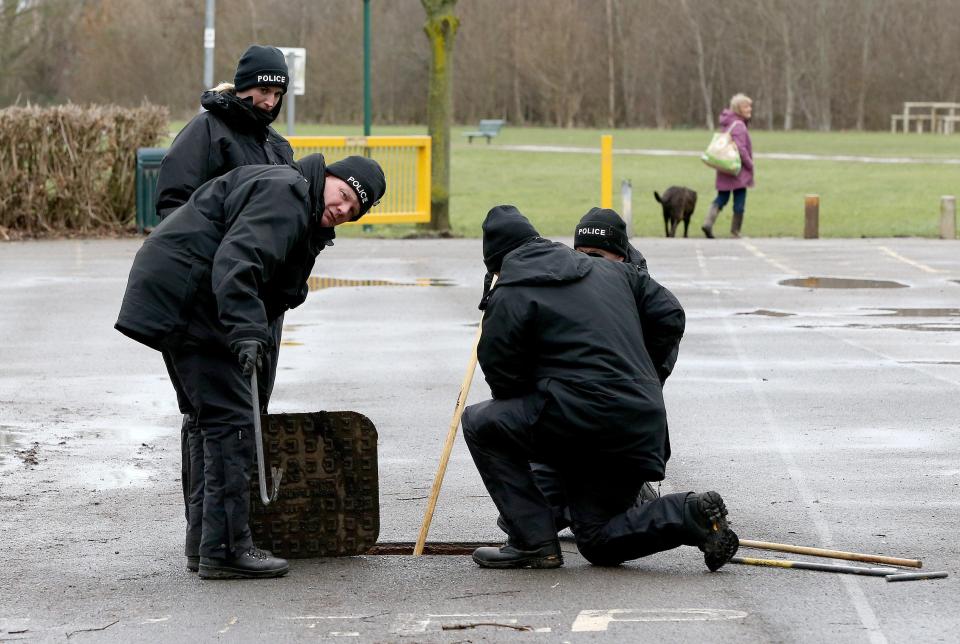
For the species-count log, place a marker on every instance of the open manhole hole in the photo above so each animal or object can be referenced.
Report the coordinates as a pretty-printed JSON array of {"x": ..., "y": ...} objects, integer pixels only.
[
  {"x": 839, "y": 282},
  {"x": 320, "y": 283},
  {"x": 432, "y": 548}
]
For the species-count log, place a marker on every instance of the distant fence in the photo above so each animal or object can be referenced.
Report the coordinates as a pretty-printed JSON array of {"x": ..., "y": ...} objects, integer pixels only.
[{"x": 405, "y": 161}]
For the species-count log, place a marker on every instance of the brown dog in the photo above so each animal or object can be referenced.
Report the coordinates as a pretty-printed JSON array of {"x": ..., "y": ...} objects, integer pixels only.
[{"x": 678, "y": 203}]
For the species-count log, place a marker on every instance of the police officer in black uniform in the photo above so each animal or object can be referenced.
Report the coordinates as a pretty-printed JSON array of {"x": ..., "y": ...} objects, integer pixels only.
[
  {"x": 574, "y": 349},
  {"x": 205, "y": 288},
  {"x": 233, "y": 130}
]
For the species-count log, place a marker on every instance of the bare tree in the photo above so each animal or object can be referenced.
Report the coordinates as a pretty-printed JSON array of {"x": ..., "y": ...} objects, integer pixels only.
[{"x": 441, "y": 29}]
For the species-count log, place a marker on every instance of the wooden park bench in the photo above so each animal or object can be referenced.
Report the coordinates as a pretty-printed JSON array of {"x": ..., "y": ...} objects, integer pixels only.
[{"x": 488, "y": 128}]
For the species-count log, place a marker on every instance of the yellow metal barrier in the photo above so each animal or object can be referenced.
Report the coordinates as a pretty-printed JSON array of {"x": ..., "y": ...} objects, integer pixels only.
[{"x": 405, "y": 161}]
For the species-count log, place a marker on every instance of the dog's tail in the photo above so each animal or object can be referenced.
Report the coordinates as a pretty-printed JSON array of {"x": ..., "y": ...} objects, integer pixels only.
[{"x": 657, "y": 197}]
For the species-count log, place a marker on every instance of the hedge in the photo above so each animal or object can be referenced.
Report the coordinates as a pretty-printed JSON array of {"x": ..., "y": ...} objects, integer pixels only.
[{"x": 70, "y": 169}]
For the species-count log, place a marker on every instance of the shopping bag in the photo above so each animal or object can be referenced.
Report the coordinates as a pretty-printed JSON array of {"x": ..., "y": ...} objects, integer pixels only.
[{"x": 722, "y": 153}]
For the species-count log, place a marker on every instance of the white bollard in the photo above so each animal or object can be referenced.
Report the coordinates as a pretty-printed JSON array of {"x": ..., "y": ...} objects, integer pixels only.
[{"x": 626, "y": 208}]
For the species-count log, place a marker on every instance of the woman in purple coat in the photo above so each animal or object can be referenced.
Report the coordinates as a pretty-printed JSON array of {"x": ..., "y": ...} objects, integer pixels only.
[{"x": 735, "y": 120}]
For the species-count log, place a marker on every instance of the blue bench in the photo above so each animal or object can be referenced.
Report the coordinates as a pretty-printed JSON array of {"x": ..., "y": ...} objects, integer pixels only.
[{"x": 488, "y": 128}]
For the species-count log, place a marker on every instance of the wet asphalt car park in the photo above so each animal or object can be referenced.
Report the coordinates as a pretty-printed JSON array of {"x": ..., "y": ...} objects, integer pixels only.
[{"x": 824, "y": 411}]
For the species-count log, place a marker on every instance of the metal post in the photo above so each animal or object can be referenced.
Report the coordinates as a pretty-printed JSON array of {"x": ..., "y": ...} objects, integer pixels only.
[
  {"x": 626, "y": 200},
  {"x": 367, "y": 118},
  {"x": 811, "y": 223},
  {"x": 606, "y": 171},
  {"x": 291, "y": 96},
  {"x": 209, "y": 40},
  {"x": 948, "y": 217}
]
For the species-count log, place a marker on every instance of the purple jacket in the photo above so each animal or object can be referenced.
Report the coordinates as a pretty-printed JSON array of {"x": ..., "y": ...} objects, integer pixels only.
[{"x": 742, "y": 138}]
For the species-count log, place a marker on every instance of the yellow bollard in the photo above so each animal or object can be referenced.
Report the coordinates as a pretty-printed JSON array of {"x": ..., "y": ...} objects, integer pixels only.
[{"x": 606, "y": 171}]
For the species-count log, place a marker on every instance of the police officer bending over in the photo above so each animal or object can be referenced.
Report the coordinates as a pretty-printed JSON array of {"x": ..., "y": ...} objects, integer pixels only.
[
  {"x": 204, "y": 289},
  {"x": 576, "y": 386}
]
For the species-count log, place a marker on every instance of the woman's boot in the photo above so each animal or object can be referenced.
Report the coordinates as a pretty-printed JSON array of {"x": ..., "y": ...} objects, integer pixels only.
[
  {"x": 707, "y": 226},
  {"x": 735, "y": 224}
]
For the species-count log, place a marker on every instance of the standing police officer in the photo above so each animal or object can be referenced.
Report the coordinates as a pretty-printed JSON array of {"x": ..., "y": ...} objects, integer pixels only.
[
  {"x": 205, "y": 288},
  {"x": 233, "y": 130},
  {"x": 573, "y": 348}
]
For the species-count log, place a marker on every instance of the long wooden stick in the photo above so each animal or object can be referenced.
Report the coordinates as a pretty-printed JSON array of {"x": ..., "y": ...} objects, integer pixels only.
[
  {"x": 448, "y": 445},
  {"x": 832, "y": 554}
]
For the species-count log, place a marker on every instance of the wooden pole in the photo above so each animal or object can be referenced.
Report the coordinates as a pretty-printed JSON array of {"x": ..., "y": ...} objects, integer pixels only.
[
  {"x": 948, "y": 217},
  {"x": 833, "y": 554},
  {"x": 811, "y": 216},
  {"x": 448, "y": 445}
]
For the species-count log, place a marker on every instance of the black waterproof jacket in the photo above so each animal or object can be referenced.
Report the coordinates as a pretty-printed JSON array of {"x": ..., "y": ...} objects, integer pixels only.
[
  {"x": 232, "y": 259},
  {"x": 231, "y": 133},
  {"x": 592, "y": 340}
]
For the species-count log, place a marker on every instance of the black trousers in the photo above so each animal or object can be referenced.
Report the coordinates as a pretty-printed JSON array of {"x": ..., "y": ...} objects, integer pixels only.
[
  {"x": 504, "y": 437},
  {"x": 218, "y": 448}
]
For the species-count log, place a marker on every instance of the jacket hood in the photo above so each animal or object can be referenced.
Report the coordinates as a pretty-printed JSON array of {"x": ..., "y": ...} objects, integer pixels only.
[
  {"x": 313, "y": 167},
  {"x": 727, "y": 118},
  {"x": 239, "y": 113},
  {"x": 541, "y": 261}
]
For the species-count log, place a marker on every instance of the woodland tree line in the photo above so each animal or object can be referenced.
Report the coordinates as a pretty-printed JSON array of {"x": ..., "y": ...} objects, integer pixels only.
[{"x": 808, "y": 64}]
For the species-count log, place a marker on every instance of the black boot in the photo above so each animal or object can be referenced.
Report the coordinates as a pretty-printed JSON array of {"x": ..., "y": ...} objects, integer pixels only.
[
  {"x": 228, "y": 459},
  {"x": 250, "y": 564},
  {"x": 546, "y": 555},
  {"x": 706, "y": 515},
  {"x": 191, "y": 447}
]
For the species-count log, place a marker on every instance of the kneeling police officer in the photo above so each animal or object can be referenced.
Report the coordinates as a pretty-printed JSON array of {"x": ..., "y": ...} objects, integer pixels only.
[
  {"x": 204, "y": 289},
  {"x": 574, "y": 349}
]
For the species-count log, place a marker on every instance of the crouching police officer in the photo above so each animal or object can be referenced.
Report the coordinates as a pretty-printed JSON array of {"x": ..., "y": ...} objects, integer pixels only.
[
  {"x": 204, "y": 289},
  {"x": 575, "y": 386}
]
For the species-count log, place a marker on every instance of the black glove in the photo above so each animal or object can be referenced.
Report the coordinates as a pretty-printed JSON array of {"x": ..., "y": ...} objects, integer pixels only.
[
  {"x": 487, "y": 281},
  {"x": 250, "y": 355}
]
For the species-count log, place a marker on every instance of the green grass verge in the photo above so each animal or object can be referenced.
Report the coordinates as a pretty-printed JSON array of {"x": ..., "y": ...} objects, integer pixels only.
[{"x": 555, "y": 189}]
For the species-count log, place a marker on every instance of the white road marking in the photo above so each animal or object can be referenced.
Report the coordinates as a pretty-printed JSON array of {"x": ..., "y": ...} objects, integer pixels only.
[
  {"x": 230, "y": 622},
  {"x": 599, "y": 620},
  {"x": 155, "y": 620},
  {"x": 850, "y": 582},
  {"x": 775, "y": 263},
  {"x": 894, "y": 254}
]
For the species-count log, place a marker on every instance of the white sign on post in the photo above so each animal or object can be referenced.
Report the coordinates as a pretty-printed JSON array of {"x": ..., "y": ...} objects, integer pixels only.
[{"x": 299, "y": 70}]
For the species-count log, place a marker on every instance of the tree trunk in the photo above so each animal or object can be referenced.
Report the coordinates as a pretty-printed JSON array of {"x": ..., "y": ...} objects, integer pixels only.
[
  {"x": 441, "y": 28},
  {"x": 705, "y": 89},
  {"x": 611, "y": 80}
]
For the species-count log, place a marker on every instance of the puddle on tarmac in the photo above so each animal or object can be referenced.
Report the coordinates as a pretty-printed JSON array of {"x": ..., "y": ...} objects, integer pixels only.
[
  {"x": 767, "y": 313},
  {"x": 916, "y": 313},
  {"x": 320, "y": 283},
  {"x": 839, "y": 282},
  {"x": 931, "y": 326}
]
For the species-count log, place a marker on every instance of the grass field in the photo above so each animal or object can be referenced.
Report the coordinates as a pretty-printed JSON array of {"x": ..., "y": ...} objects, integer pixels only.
[{"x": 555, "y": 189}]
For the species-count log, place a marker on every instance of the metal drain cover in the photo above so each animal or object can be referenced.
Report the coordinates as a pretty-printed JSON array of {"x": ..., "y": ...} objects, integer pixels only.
[{"x": 329, "y": 503}]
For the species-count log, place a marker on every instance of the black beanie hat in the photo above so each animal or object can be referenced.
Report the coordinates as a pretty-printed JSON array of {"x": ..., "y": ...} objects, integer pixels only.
[
  {"x": 366, "y": 178},
  {"x": 261, "y": 67},
  {"x": 602, "y": 228},
  {"x": 504, "y": 229}
]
